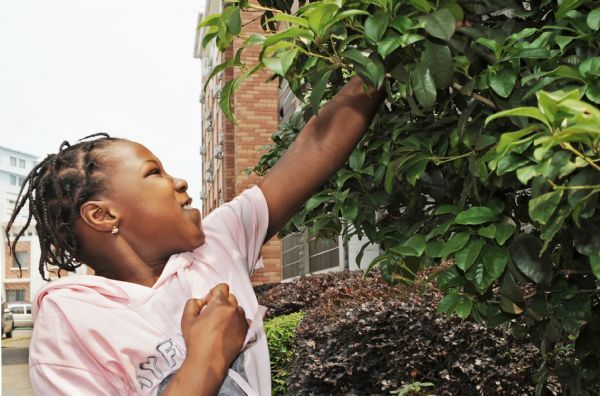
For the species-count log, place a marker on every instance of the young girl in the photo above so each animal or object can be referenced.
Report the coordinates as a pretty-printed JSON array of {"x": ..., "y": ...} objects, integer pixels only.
[{"x": 167, "y": 311}]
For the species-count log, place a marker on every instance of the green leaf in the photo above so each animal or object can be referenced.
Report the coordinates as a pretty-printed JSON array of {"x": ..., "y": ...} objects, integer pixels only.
[
  {"x": 375, "y": 27},
  {"x": 488, "y": 232},
  {"x": 370, "y": 69},
  {"x": 494, "y": 259},
  {"x": 402, "y": 24},
  {"x": 349, "y": 14},
  {"x": 253, "y": 39},
  {"x": 449, "y": 278},
  {"x": 415, "y": 246},
  {"x": 388, "y": 45},
  {"x": 219, "y": 68},
  {"x": 561, "y": 71},
  {"x": 464, "y": 307},
  {"x": 566, "y": 6},
  {"x": 440, "y": 24},
  {"x": 510, "y": 289},
  {"x": 503, "y": 81},
  {"x": 495, "y": 316},
  {"x": 593, "y": 19},
  {"x": 475, "y": 215},
  {"x": 595, "y": 263},
  {"x": 357, "y": 159},
  {"x": 439, "y": 61},
  {"x": 490, "y": 44},
  {"x": 590, "y": 66},
  {"x": 439, "y": 230},
  {"x": 542, "y": 207},
  {"x": 316, "y": 94},
  {"x": 423, "y": 86},
  {"x": 510, "y": 139},
  {"x": 417, "y": 242},
  {"x": 434, "y": 248},
  {"x": 503, "y": 232},
  {"x": 350, "y": 209},
  {"x": 479, "y": 276},
  {"x": 593, "y": 92},
  {"x": 320, "y": 16},
  {"x": 294, "y": 20},
  {"x": 455, "y": 243},
  {"x": 411, "y": 38},
  {"x": 466, "y": 257},
  {"x": 448, "y": 303},
  {"x": 211, "y": 20},
  {"x": 510, "y": 162},
  {"x": 225, "y": 100},
  {"x": 553, "y": 227},
  {"x": 233, "y": 19},
  {"x": 316, "y": 200},
  {"x": 530, "y": 112},
  {"x": 290, "y": 33},
  {"x": 282, "y": 62},
  {"x": 445, "y": 209},
  {"x": 415, "y": 171},
  {"x": 421, "y": 5},
  {"x": 525, "y": 253}
]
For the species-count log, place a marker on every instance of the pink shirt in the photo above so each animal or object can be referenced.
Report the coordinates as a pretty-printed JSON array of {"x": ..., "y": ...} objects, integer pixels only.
[{"x": 97, "y": 336}]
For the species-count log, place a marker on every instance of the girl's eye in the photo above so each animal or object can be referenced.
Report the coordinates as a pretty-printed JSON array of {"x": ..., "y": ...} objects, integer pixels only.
[{"x": 155, "y": 171}]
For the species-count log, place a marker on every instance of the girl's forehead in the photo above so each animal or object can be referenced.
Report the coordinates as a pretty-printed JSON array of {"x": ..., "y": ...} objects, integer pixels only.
[{"x": 127, "y": 149}]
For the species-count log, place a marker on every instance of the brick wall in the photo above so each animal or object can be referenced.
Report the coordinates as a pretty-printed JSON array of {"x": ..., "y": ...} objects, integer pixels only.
[
  {"x": 20, "y": 285},
  {"x": 256, "y": 111},
  {"x": 255, "y": 105}
]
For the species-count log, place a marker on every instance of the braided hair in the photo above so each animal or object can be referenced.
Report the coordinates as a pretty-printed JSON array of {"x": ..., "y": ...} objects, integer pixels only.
[{"x": 55, "y": 189}]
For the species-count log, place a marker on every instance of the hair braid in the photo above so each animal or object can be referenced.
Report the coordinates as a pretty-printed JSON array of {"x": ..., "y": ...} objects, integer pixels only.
[{"x": 55, "y": 189}]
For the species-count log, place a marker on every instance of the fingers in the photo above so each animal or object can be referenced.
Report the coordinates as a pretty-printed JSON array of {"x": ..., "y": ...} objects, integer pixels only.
[
  {"x": 232, "y": 300},
  {"x": 192, "y": 308},
  {"x": 220, "y": 295},
  {"x": 221, "y": 289}
]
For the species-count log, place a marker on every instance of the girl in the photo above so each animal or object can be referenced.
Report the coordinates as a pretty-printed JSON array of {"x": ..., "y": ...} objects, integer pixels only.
[{"x": 139, "y": 325}]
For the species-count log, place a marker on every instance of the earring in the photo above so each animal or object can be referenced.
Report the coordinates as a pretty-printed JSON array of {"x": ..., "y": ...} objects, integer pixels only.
[{"x": 115, "y": 230}]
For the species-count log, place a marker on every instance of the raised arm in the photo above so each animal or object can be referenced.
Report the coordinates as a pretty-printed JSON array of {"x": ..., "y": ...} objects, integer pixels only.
[{"x": 319, "y": 151}]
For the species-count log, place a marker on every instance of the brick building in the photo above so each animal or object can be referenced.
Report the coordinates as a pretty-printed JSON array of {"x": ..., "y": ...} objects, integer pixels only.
[{"x": 228, "y": 149}]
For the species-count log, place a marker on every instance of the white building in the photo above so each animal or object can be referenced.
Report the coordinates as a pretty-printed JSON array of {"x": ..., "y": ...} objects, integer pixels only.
[{"x": 14, "y": 168}]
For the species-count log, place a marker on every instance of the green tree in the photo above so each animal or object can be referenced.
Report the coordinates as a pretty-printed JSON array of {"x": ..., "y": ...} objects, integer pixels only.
[{"x": 483, "y": 161}]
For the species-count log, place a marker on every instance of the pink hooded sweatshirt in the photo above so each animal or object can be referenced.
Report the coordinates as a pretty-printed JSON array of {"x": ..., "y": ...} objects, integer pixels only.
[{"x": 97, "y": 336}]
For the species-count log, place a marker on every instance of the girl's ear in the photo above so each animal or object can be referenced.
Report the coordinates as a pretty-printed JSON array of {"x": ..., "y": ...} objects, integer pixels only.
[{"x": 98, "y": 215}]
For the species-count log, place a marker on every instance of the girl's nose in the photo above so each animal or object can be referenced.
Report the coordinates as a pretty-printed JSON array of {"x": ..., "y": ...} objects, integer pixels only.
[{"x": 180, "y": 184}]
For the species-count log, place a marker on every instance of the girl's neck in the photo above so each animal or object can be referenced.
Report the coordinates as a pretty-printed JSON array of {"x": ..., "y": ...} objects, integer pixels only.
[{"x": 125, "y": 265}]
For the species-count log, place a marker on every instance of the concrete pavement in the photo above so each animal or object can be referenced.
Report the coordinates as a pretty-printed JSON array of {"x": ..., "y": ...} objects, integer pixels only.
[{"x": 15, "y": 370}]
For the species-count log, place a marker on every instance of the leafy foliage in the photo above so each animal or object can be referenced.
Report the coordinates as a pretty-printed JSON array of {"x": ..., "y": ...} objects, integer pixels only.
[
  {"x": 485, "y": 152},
  {"x": 367, "y": 337},
  {"x": 280, "y": 335}
]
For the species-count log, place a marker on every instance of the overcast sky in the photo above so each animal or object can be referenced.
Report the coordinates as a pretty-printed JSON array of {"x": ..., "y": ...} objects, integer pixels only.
[{"x": 70, "y": 68}]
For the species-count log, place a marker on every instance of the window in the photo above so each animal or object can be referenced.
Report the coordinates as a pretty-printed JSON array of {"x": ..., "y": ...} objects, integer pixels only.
[
  {"x": 292, "y": 255},
  {"x": 23, "y": 257},
  {"x": 15, "y": 295},
  {"x": 323, "y": 254},
  {"x": 13, "y": 161},
  {"x": 13, "y": 180},
  {"x": 22, "y": 163},
  {"x": 302, "y": 255}
]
